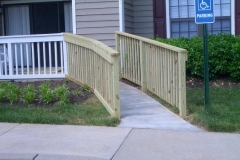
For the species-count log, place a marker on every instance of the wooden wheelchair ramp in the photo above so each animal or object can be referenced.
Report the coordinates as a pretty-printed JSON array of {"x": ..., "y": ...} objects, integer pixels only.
[{"x": 138, "y": 110}]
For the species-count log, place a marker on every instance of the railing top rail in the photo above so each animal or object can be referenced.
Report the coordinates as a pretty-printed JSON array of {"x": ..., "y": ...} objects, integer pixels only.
[
  {"x": 31, "y": 38},
  {"x": 167, "y": 46},
  {"x": 88, "y": 43},
  {"x": 98, "y": 47}
]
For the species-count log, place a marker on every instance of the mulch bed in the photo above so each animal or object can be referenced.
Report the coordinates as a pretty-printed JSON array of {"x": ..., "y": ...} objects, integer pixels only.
[
  {"x": 78, "y": 99},
  {"x": 74, "y": 99},
  {"x": 222, "y": 83},
  {"x": 197, "y": 83}
]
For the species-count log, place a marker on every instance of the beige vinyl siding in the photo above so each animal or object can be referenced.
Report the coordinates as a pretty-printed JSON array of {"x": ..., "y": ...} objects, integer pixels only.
[
  {"x": 98, "y": 19},
  {"x": 143, "y": 18},
  {"x": 129, "y": 16}
]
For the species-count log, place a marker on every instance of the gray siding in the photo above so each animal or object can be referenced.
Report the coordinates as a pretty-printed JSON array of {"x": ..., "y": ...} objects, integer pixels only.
[
  {"x": 129, "y": 16},
  {"x": 143, "y": 18},
  {"x": 98, "y": 19}
]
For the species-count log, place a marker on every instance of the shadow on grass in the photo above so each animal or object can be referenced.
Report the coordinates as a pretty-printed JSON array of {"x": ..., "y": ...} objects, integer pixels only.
[
  {"x": 91, "y": 112},
  {"x": 223, "y": 114}
]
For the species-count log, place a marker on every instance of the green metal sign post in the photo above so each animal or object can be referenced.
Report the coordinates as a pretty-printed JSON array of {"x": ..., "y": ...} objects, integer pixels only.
[
  {"x": 206, "y": 71},
  {"x": 204, "y": 13}
]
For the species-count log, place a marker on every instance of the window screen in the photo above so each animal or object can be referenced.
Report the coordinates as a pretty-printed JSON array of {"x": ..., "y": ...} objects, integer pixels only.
[
  {"x": 183, "y": 28},
  {"x": 181, "y": 9}
]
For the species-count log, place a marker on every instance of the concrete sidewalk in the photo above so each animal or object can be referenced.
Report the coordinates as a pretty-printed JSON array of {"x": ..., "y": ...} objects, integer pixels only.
[{"x": 65, "y": 142}]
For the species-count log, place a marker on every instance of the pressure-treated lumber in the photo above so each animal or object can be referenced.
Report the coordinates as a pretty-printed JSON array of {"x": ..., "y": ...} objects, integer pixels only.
[
  {"x": 155, "y": 66},
  {"x": 92, "y": 63}
]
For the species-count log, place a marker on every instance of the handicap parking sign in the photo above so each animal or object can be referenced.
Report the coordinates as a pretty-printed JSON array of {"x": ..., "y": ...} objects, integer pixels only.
[{"x": 204, "y": 11}]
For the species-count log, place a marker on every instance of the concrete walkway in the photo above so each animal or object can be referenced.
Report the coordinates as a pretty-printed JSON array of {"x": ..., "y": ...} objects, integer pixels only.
[
  {"x": 63, "y": 142},
  {"x": 138, "y": 110}
]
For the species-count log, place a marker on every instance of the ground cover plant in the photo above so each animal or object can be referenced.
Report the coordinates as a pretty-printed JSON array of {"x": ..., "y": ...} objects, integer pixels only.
[{"x": 52, "y": 102}]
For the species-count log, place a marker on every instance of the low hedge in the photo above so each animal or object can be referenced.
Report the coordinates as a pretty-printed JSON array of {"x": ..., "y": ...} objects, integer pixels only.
[{"x": 223, "y": 50}]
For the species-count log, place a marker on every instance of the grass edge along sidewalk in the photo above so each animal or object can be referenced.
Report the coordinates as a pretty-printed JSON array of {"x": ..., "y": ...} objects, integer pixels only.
[
  {"x": 223, "y": 114},
  {"x": 89, "y": 112}
]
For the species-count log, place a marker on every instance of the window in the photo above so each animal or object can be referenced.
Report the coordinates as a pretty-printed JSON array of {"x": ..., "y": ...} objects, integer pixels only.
[
  {"x": 182, "y": 18},
  {"x": 34, "y": 18}
]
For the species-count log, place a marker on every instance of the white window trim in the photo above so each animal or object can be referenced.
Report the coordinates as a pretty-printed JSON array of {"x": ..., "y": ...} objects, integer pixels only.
[{"x": 233, "y": 17}]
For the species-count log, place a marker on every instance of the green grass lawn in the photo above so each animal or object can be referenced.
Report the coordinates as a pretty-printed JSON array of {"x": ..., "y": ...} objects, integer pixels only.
[
  {"x": 223, "y": 114},
  {"x": 91, "y": 112}
]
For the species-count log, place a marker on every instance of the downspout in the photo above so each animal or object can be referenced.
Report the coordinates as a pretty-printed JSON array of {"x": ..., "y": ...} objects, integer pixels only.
[
  {"x": 74, "y": 16},
  {"x": 121, "y": 16},
  {"x": 233, "y": 20},
  {"x": 121, "y": 29}
]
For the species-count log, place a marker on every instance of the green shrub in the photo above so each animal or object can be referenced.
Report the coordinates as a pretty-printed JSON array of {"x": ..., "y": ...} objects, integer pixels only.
[
  {"x": 12, "y": 92},
  {"x": 28, "y": 94},
  {"x": 46, "y": 93},
  {"x": 86, "y": 87},
  {"x": 3, "y": 86},
  {"x": 61, "y": 94},
  {"x": 223, "y": 50},
  {"x": 2, "y": 94}
]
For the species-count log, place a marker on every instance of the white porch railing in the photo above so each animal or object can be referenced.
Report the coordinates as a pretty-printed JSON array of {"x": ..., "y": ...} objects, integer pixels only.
[{"x": 33, "y": 56}]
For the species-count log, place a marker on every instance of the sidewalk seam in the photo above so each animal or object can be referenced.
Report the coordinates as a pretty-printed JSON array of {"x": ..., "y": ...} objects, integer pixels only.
[
  {"x": 10, "y": 129},
  {"x": 121, "y": 144}
]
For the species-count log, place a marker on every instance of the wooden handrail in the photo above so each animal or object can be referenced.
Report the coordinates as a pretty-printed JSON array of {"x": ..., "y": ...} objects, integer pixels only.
[
  {"x": 160, "y": 44},
  {"x": 97, "y": 65},
  {"x": 157, "y": 67}
]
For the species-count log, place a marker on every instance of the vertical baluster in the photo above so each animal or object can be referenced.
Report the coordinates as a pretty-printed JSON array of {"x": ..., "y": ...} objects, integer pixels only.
[
  {"x": 33, "y": 59},
  {"x": 38, "y": 52},
  {"x": 162, "y": 73},
  {"x": 44, "y": 57},
  {"x": 168, "y": 77},
  {"x": 6, "y": 59},
  {"x": 80, "y": 63},
  {"x": 16, "y": 58},
  {"x": 55, "y": 54},
  {"x": 50, "y": 57},
  {"x": 61, "y": 52},
  {"x": 27, "y": 51},
  {"x": 65, "y": 57},
  {"x": 21, "y": 52}
]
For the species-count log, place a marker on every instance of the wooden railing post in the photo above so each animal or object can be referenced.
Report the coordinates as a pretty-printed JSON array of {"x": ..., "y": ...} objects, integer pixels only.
[
  {"x": 116, "y": 90},
  {"x": 143, "y": 66},
  {"x": 182, "y": 83},
  {"x": 65, "y": 57},
  {"x": 118, "y": 48}
]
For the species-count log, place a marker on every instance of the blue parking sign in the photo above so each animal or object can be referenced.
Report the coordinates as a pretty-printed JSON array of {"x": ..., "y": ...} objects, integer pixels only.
[{"x": 204, "y": 11}]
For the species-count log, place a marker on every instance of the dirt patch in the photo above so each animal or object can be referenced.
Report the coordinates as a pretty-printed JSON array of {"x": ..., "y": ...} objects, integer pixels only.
[
  {"x": 222, "y": 83},
  {"x": 130, "y": 83},
  {"x": 197, "y": 83},
  {"x": 73, "y": 88}
]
